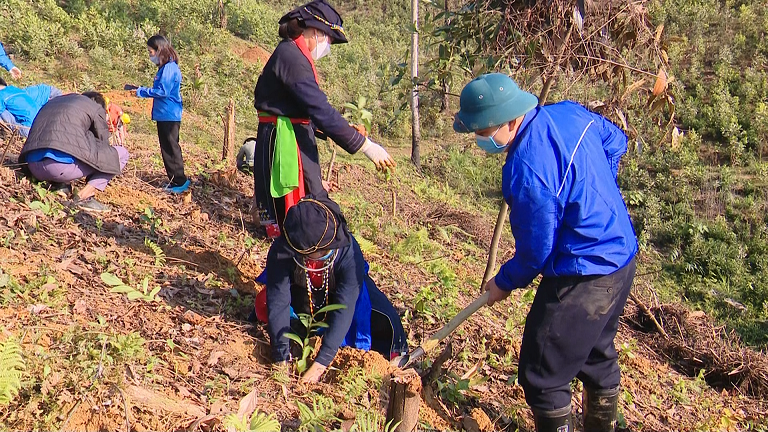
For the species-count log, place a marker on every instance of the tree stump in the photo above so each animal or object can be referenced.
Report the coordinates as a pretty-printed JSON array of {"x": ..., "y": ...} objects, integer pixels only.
[{"x": 404, "y": 400}]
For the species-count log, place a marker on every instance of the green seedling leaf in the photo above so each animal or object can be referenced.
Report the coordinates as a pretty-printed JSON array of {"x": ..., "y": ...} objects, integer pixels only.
[
  {"x": 321, "y": 324},
  {"x": 135, "y": 295},
  {"x": 154, "y": 293},
  {"x": 12, "y": 367},
  {"x": 38, "y": 205},
  {"x": 122, "y": 289},
  {"x": 111, "y": 280},
  {"x": 307, "y": 351},
  {"x": 301, "y": 365},
  {"x": 261, "y": 422},
  {"x": 529, "y": 295},
  {"x": 294, "y": 338},
  {"x": 306, "y": 320},
  {"x": 331, "y": 307}
]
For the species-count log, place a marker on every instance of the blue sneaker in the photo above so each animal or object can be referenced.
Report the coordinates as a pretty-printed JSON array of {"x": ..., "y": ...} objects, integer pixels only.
[{"x": 177, "y": 189}]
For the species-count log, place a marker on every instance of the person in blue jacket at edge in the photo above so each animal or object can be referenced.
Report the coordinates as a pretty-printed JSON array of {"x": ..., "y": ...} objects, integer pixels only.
[
  {"x": 570, "y": 225},
  {"x": 19, "y": 107},
  {"x": 316, "y": 263},
  {"x": 166, "y": 109},
  {"x": 42, "y": 93},
  {"x": 8, "y": 65}
]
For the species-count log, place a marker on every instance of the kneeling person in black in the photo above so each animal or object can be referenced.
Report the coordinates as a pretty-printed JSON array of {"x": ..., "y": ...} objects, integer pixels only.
[{"x": 317, "y": 263}]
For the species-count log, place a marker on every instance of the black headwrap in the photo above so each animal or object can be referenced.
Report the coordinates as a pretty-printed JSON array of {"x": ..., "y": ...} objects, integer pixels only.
[
  {"x": 315, "y": 224},
  {"x": 320, "y": 15}
]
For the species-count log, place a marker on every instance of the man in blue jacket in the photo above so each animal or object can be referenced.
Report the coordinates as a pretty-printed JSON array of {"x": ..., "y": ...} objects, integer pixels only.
[
  {"x": 570, "y": 225},
  {"x": 8, "y": 65}
]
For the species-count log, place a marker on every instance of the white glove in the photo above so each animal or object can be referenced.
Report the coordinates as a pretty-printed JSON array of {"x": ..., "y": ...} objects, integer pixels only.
[
  {"x": 15, "y": 73},
  {"x": 377, "y": 155}
]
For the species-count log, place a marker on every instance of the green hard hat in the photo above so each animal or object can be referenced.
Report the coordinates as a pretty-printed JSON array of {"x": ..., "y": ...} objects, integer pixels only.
[{"x": 491, "y": 100}]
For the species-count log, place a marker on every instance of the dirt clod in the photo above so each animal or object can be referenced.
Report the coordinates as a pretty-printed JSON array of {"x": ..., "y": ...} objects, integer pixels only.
[
  {"x": 477, "y": 421},
  {"x": 193, "y": 318},
  {"x": 370, "y": 361}
]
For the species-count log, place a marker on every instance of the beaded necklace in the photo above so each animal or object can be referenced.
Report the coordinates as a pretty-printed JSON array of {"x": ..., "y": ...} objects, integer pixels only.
[{"x": 323, "y": 289}]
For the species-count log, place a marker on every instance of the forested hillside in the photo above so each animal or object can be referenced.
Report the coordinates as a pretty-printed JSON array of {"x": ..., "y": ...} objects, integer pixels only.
[{"x": 180, "y": 352}]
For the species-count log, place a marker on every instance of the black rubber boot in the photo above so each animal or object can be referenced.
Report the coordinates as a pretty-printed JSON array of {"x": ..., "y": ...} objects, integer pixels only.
[
  {"x": 600, "y": 409},
  {"x": 558, "y": 420}
]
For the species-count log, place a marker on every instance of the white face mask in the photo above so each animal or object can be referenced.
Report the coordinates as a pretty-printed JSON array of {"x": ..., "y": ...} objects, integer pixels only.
[
  {"x": 322, "y": 48},
  {"x": 154, "y": 59}
]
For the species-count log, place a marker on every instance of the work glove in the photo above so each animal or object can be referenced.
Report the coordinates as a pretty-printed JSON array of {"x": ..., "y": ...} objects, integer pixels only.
[
  {"x": 16, "y": 73},
  {"x": 377, "y": 155},
  {"x": 130, "y": 87}
]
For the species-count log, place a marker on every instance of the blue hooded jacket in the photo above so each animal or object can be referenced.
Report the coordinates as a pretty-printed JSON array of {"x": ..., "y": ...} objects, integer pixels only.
[
  {"x": 19, "y": 104},
  {"x": 568, "y": 216},
  {"x": 167, "y": 105},
  {"x": 40, "y": 93},
  {"x": 5, "y": 61}
]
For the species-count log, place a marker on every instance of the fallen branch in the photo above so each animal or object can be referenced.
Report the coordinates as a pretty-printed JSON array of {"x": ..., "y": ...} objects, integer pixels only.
[
  {"x": 125, "y": 408},
  {"x": 434, "y": 371},
  {"x": 649, "y": 314},
  {"x": 69, "y": 414}
]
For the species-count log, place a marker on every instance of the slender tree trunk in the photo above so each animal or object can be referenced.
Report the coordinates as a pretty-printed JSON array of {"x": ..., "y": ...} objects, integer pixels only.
[
  {"x": 222, "y": 15},
  {"x": 415, "y": 123},
  {"x": 545, "y": 89},
  {"x": 556, "y": 70},
  {"x": 444, "y": 105},
  {"x": 490, "y": 266}
]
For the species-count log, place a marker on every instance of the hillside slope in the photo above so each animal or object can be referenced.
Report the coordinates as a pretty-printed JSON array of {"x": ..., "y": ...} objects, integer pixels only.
[
  {"x": 95, "y": 360},
  {"x": 186, "y": 357}
]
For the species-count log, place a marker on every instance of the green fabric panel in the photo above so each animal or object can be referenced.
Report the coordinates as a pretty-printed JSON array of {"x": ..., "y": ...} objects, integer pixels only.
[{"x": 285, "y": 161}]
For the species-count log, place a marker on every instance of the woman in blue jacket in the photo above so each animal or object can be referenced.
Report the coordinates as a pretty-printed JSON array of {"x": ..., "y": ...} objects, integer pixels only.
[
  {"x": 166, "y": 109},
  {"x": 570, "y": 225}
]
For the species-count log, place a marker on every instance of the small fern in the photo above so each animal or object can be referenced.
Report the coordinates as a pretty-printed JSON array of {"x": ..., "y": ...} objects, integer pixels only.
[
  {"x": 372, "y": 421},
  {"x": 156, "y": 250},
  {"x": 11, "y": 370},
  {"x": 259, "y": 422},
  {"x": 313, "y": 419},
  {"x": 142, "y": 293}
]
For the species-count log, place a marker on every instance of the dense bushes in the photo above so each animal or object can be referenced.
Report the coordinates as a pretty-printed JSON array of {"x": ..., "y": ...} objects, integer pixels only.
[
  {"x": 718, "y": 52},
  {"x": 708, "y": 227}
]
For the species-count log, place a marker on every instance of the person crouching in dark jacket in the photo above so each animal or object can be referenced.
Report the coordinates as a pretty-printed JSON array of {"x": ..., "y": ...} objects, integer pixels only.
[
  {"x": 69, "y": 140},
  {"x": 317, "y": 263}
]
